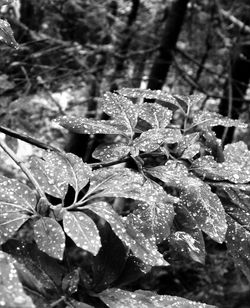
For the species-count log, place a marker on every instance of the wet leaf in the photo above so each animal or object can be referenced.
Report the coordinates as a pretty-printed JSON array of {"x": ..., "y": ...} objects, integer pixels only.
[
  {"x": 189, "y": 100},
  {"x": 150, "y": 94},
  {"x": 121, "y": 109},
  {"x": 140, "y": 246},
  {"x": 82, "y": 230},
  {"x": 189, "y": 146},
  {"x": 210, "y": 119},
  {"x": 91, "y": 126},
  {"x": 238, "y": 240},
  {"x": 49, "y": 237},
  {"x": 235, "y": 168},
  {"x": 154, "y": 220},
  {"x": 156, "y": 115},
  {"x": 11, "y": 290},
  {"x": 188, "y": 242},
  {"x": 6, "y": 34},
  {"x": 111, "y": 152},
  {"x": 70, "y": 281},
  {"x": 17, "y": 204},
  {"x": 114, "y": 298},
  {"x": 54, "y": 172}
]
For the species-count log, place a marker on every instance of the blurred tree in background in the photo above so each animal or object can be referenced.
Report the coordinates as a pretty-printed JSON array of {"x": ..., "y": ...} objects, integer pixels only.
[{"x": 72, "y": 51}]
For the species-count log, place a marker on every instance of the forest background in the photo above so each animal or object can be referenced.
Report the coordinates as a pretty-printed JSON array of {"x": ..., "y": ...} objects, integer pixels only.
[{"x": 73, "y": 51}]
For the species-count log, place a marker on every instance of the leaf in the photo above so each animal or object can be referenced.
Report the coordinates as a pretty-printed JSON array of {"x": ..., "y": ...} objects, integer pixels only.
[
  {"x": 111, "y": 152},
  {"x": 82, "y": 230},
  {"x": 6, "y": 2},
  {"x": 154, "y": 220},
  {"x": 70, "y": 282},
  {"x": 54, "y": 172},
  {"x": 235, "y": 168},
  {"x": 140, "y": 246},
  {"x": 6, "y": 34},
  {"x": 150, "y": 94},
  {"x": 81, "y": 125},
  {"x": 210, "y": 119},
  {"x": 17, "y": 204},
  {"x": 188, "y": 242},
  {"x": 49, "y": 237},
  {"x": 121, "y": 109},
  {"x": 11, "y": 290},
  {"x": 204, "y": 206},
  {"x": 238, "y": 240},
  {"x": 189, "y": 146},
  {"x": 76, "y": 304},
  {"x": 114, "y": 298},
  {"x": 189, "y": 100},
  {"x": 156, "y": 115}
]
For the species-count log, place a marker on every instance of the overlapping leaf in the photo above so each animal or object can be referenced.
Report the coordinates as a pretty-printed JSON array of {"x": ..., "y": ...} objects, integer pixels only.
[
  {"x": 189, "y": 146},
  {"x": 121, "y": 109},
  {"x": 6, "y": 34},
  {"x": 111, "y": 152},
  {"x": 82, "y": 125},
  {"x": 136, "y": 241},
  {"x": 11, "y": 290},
  {"x": 49, "y": 237},
  {"x": 210, "y": 119},
  {"x": 55, "y": 172},
  {"x": 196, "y": 195},
  {"x": 150, "y": 94},
  {"x": 17, "y": 204},
  {"x": 156, "y": 115},
  {"x": 82, "y": 230},
  {"x": 154, "y": 220},
  {"x": 114, "y": 298},
  {"x": 235, "y": 168}
]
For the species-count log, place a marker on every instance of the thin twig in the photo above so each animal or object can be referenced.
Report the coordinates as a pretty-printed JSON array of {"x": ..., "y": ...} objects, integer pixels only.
[
  {"x": 28, "y": 139},
  {"x": 22, "y": 166}
]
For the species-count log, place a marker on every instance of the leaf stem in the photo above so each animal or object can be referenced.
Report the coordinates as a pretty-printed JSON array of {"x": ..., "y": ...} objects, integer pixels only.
[{"x": 22, "y": 166}]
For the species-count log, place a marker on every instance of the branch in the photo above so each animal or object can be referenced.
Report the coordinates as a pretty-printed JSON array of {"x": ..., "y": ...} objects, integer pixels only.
[
  {"x": 243, "y": 27},
  {"x": 28, "y": 139}
]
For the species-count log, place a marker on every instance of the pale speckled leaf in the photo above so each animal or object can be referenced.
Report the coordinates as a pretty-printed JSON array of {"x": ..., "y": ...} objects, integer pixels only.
[
  {"x": 82, "y": 230},
  {"x": 156, "y": 115},
  {"x": 210, "y": 119},
  {"x": 238, "y": 239},
  {"x": 190, "y": 100},
  {"x": 151, "y": 140},
  {"x": 11, "y": 290},
  {"x": 136, "y": 241},
  {"x": 154, "y": 220},
  {"x": 205, "y": 207},
  {"x": 17, "y": 204},
  {"x": 235, "y": 168},
  {"x": 49, "y": 237},
  {"x": 150, "y": 94},
  {"x": 54, "y": 172},
  {"x": 196, "y": 195},
  {"x": 111, "y": 152},
  {"x": 121, "y": 109},
  {"x": 6, "y": 34},
  {"x": 82, "y": 125},
  {"x": 115, "y": 298}
]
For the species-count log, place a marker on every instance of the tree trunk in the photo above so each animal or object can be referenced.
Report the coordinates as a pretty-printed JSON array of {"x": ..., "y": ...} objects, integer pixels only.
[
  {"x": 240, "y": 76},
  {"x": 172, "y": 29}
]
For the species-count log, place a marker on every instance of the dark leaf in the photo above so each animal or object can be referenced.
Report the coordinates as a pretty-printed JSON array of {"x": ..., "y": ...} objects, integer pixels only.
[
  {"x": 145, "y": 299},
  {"x": 82, "y": 230},
  {"x": 111, "y": 152},
  {"x": 235, "y": 168},
  {"x": 121, "y": 109},
  {"x": 156, "y": 115},
  {"x": 6, "y": 34},
  {"x": 49, "y": 237},
  {"x": 17, "y": 204},
  {"x": 140, "y": 246},
  {"x": 76, "y": 304},
  {"x": 210, "y": 119},
  {"x": 70, "y": 281},
  {"x": 11, "y": 290},
  {"x": 91, "y": 126}
]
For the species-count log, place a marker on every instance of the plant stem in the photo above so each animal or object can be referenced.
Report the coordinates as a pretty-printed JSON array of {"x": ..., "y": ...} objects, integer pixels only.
[{"x": 22, "y": 166}]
